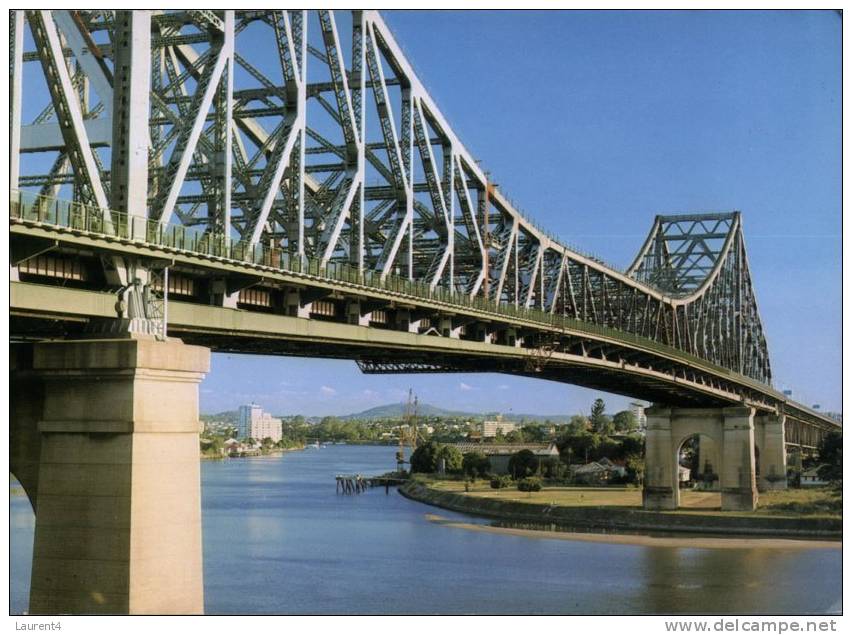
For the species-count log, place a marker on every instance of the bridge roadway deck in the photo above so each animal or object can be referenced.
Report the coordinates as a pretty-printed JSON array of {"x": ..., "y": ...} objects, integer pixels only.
[{"x": 589, "y": 355}]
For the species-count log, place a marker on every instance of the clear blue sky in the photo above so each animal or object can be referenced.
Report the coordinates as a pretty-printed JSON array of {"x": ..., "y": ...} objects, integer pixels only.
[{"x": 593, "y": 122}]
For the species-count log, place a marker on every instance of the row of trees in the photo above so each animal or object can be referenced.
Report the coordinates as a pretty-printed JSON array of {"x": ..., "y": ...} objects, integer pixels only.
[
  {"x": 428, "y": 456},
  {"x": 212, "y": 445}
]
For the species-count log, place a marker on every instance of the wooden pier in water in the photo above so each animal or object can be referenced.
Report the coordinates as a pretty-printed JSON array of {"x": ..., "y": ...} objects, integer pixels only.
[
  {"x": 356, "y": 483},
  {"x": 350, "y": 483}
]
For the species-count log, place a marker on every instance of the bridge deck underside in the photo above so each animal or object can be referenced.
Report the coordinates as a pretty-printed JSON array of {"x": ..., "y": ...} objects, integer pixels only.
[
  {"x": 375, "y": 357},
  {"x": 583, "y": 355}
]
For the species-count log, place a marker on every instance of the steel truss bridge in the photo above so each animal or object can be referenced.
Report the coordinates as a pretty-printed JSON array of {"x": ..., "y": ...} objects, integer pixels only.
[{"x": 281, "y": 182}]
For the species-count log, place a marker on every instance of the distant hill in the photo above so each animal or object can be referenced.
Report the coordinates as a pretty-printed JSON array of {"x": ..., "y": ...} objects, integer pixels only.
[
  {"x": 228, "y": 416},
  {"x": 397, "y": 411},
  {"x": 393, "y": 410}
]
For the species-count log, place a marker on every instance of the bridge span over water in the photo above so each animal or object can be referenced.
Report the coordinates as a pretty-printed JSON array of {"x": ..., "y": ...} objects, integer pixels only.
[{"x": 184, "y": 190}]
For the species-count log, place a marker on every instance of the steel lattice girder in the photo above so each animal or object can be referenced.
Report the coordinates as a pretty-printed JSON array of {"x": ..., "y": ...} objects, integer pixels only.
[{"x": 355, "y": 164}]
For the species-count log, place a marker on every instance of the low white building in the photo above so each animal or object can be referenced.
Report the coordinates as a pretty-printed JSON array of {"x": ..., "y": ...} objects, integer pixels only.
[
  {"x": 811, "y": 477},
  {"x": 597, "y": 472},
  {"x": 490, "y": 429}
]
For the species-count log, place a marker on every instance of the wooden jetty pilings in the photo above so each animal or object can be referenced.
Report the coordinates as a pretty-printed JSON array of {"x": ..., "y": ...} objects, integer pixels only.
[
  {"x": 350, "y": 484},
  {"x": 356, "y": 483}
]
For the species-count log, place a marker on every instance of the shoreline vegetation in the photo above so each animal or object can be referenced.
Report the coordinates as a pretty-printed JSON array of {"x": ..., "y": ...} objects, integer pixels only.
[
  {"x": 264, "y": 452},
  {"x": 616, "y": 515}
]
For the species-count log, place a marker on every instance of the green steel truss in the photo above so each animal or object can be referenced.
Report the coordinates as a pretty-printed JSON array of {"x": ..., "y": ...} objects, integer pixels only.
[{"x": 307, "y": 136}]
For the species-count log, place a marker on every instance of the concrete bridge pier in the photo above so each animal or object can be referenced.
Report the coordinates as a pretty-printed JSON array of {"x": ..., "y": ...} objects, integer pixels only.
[
  {"x": 731, "y": 431},
  {"x": 772, "y": 458},
  {"x": 738, "y": 477},
  {"x": 112, "y": 426}
]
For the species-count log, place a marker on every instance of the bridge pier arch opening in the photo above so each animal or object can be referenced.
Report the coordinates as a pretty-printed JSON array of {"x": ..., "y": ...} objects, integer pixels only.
[
  {"x": 732, "y": 432},
  {"x": 105, "y": 442},
  {"x": 700, "y": 454}
]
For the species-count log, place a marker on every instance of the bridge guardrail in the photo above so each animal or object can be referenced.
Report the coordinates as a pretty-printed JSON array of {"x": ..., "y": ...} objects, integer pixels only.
[{"x": 30, "y": 206}]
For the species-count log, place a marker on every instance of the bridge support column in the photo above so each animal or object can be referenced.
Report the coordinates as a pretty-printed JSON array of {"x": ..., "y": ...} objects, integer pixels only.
[
  {"x": 660, "y": 487},
  {"x": 118, "y": 507},
  {"x": 769, "y": 437},
  {"x": 739, "y": 488},
  {"x": 25, "y": 410},
  {"x": 731, "y": 431}
]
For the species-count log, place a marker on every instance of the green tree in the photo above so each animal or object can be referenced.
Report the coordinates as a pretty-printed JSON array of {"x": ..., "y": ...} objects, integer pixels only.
[
  {"x": 830, "y": 453},
  {"x": 631, "y": 444},
  {"x": 515, "y": 436},
  {"x": 636, "y": 468},
  {"x": 424, "y": 459},
  {"x": 523, "y": 463},
  {"x": 625, "y": 421},
  {"x": 607, "y": 447},
  {"x": 452, "y": 456},
  {"x": 601, "y": 423},
  {"x": 212, "y": 446},
  {"x": 476, "y": 464},
  {"x": 578, "y": 424},
  {"x": 580, "y": 448},
  {"x": 529, "y": 484},
  {"x": 534, "y": 433}
]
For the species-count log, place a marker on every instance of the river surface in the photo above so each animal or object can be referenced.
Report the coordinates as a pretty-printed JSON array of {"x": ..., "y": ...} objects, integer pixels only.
[{"x": 278, "y": 539}]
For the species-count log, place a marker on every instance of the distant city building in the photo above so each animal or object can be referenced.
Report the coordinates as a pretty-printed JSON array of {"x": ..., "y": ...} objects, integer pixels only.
[
  {"x": 638, "y": 410},
  {"x": 490, "y": 429},
  {"x": 837, "y": 416},
  {"x": 256, "y": 424}
]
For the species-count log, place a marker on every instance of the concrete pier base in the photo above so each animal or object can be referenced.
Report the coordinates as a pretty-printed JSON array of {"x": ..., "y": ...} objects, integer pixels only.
[
  {"x": 731, "y": 434},
  {"x": 769, "y": 436},
  {"x": 738, "y": 479},
  {"x": 660, "y": 487},
  {"x": 118, "y": 503}
]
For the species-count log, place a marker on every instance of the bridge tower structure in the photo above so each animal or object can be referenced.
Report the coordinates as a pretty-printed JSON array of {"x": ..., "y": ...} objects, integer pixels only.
[
  {"x": 700, "y": 260},
  {"x": 282, "y": 182}
]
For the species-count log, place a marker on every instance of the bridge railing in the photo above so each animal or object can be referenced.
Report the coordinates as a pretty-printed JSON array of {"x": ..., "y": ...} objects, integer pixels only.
[{"x": 77, "y": 217}]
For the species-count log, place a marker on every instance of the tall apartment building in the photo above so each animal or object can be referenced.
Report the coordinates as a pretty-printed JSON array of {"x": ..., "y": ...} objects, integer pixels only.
[
  {"x": 638, "y": 410},
  {"x": 256, "y": 424}
]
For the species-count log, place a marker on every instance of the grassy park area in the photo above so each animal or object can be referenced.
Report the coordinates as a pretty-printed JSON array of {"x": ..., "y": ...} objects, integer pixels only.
[{"x": 811, "y": 502}]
